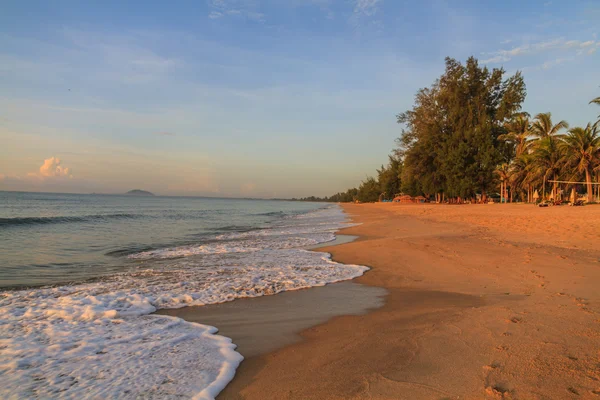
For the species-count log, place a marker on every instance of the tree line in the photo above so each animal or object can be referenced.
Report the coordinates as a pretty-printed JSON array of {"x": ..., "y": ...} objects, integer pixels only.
[{"x": 467, "y": 138}]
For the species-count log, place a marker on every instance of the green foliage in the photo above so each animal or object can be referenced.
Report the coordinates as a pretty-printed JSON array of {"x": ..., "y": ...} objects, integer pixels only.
[
  {"x": 451, "y": 142},
  {"x": 368, "y": 191},
  {"x": 581, "y": 148},
  {"x": 596, "y": 101},
  {"x": 466, "y": 134},
  {"x": 389, "y": 178},
  {"x": 543, "y": 127},
  {"x": 345, "y": 197}
]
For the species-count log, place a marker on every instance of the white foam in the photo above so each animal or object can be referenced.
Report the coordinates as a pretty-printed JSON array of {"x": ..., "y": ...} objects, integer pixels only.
[{"x": 99, "y": 340}]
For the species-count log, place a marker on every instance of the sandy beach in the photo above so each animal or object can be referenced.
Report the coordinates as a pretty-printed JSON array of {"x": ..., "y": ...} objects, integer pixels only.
[{"x": 484, "y": 302}]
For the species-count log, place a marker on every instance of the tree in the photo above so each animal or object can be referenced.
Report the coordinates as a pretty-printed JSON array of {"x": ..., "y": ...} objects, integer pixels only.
[
  {"x": 503, "y": 172},
  {"x": 522, "y": 175},
  {"x": 368, "y": 191},
  {"x": 582, "y": 152},
  {"x": 518, "y": 134},
  {"x": 542, "y": 126},
  {"x": 596, "y": 101},
  {"x": 389, "y": 177},
  {"x": 451, "y": 142},
  {"x": 548, "y": 159}
]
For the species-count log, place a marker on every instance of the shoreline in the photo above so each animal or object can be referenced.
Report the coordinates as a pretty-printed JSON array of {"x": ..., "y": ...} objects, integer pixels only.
[
  {"x": 261, "y": 325},
  {"x": 454, "y": 324}
]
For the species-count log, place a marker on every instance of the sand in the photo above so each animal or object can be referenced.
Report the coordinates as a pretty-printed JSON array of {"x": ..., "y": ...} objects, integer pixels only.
[
  {"x": 484, "y": 302},
  {"x": 259, "y": 325}
]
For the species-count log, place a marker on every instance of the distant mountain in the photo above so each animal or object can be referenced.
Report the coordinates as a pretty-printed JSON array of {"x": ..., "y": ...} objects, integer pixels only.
[{"x": 138, "y": 192}]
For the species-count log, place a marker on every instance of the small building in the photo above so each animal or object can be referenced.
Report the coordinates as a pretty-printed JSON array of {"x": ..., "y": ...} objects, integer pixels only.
[{"x": 403, "y": 199}]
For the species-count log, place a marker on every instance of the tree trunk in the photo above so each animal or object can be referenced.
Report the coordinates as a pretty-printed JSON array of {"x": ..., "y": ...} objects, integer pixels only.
[
  {"x": 588, "y": 181},
  {"x": 544, "y": 189}
]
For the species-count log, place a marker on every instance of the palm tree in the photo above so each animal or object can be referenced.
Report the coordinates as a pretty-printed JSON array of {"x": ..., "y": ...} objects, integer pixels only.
[
  {"x": 548, "y": 160},
  {"x": 582, "y": 152},
  {"x": 596, "y": 101},
  {"x": 519, "y": 131},
  {"x": 503, "y": 173},
  {"x": 542, "y": 126},
  {"x": 521, "y": 175}
]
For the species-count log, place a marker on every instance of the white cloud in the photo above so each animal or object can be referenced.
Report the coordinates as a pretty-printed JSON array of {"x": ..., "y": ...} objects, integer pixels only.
[
  {"x": 364, "y": 13},
  {"x": 539, "y": 47},
  {"x": 52, "y": 168},
  {"x": 366, "y": 7},
  {"x": 241, "y": 8},
  {"x": 552, "y": 63}
]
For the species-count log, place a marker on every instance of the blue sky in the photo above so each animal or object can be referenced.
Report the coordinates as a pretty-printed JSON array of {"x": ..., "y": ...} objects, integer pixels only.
[{"x": 256, "y": 97}]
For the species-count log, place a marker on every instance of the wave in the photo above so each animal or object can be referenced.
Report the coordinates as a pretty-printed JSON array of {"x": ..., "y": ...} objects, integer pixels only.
[
  {"x": 19, "y": 221},
  {"x": 100, "y": 338},
  {"x": 234, "y": 246},
  {"x": 272, "y": 214}
]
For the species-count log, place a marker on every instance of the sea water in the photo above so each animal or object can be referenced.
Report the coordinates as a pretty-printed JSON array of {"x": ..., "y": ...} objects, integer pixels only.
[{"x": 81, "y": 276}]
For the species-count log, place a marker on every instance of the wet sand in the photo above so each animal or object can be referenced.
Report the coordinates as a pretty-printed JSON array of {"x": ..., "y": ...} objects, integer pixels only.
[
  {"x": 262, "y": 324},
  {"x": 485, "y": 302}
]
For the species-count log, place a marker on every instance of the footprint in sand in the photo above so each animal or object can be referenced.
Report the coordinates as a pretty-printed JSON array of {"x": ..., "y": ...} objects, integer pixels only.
[
  {"x": 573, "y": 390},
  {"x": 499, "y": 390},
  {"x": 494, "y": 365}
]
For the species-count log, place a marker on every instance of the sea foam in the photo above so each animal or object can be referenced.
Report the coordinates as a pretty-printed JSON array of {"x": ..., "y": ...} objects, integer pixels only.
[{"x": 100, "y": 339}]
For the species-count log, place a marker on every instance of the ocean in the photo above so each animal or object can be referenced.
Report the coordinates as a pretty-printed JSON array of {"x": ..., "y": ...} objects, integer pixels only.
[{"x": 81, "y": 275}]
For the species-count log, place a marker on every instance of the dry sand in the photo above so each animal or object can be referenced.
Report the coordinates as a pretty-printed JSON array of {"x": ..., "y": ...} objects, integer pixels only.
[{"x": 485, "y": 302}]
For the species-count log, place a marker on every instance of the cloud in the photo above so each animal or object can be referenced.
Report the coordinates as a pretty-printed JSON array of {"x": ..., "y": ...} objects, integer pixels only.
[
  {"x": 363, "y": 14},
  {"x": 52, "y": 168},
  {"x": 241, "y": 8},
  {"x": 51, "y": 171},
  {"x": 366, "y": 7},
  {"x": 500, "y": 56},
  {"x": 165, "y": 133},
  {"x": 125, "y": 58},
  {"x": 552, "y": 63}
]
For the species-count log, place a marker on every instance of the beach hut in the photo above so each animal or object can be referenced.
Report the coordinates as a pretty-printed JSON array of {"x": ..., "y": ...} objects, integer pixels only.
[
  {"x": 406, "y": 199},
  {"x": 420, "y": 199}
]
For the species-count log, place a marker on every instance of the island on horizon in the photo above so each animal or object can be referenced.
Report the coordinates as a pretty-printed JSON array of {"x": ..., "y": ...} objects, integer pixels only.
[{"x": 139, "y": 192}]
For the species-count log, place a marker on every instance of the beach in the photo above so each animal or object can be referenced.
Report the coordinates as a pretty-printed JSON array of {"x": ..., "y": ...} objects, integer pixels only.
[{"x": 483, "y": 301}]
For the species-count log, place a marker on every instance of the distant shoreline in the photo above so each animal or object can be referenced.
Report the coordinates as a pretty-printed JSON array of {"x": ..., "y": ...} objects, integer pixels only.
[{"x": 161, "y": 196}]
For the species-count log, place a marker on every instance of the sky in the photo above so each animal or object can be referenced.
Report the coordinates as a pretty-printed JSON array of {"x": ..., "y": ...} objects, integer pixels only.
[{"x": 256, "y": 98}]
